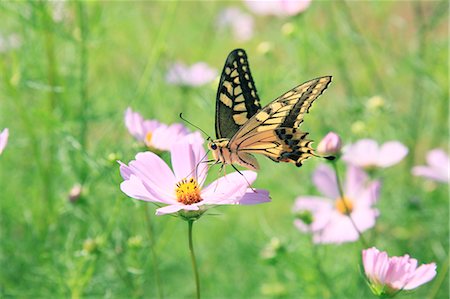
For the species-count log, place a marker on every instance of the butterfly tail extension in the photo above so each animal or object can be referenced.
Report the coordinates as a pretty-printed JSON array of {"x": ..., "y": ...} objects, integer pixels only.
[{"x": 295, "y": 146}]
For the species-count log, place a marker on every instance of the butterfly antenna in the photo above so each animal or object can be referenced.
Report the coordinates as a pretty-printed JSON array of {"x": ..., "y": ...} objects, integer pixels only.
[{"x": 185, "y": 120}]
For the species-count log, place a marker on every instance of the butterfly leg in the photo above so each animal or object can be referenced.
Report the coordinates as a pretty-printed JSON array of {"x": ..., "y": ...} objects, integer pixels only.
[{"x": 234, "y": 167}]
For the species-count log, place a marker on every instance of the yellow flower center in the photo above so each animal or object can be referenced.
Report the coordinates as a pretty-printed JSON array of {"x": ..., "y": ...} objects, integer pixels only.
[
  {"x": 148, "y": 138},
  {"x": 344, "y": 205},
  {"x": 188, "y": 192}
]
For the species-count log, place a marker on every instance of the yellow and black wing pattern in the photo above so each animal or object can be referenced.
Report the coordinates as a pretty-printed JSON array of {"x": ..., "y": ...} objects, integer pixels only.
[
  {"x": 274, "y": 132},
  {"x": 237, "y": 99}
]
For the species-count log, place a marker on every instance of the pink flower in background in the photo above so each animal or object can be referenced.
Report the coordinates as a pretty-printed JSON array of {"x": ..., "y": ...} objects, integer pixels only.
[
  {"x": 181, "y": 189},
  {"x": 330, "y": 145},
  {"x": 195, "y": 75},
  {"x": 153, "y": 133},
  {"x": 10, "y": 42},
  {"x": 366, "y": 153},
  {"x": 240, "y": 23},
  {"x": 281, "y": 8},
  {"x": 3, "y": 139},
  {"x": 389, "y": 275},
  {"x": 329, "y": 215},
  {"x": 438, "y": 166}
]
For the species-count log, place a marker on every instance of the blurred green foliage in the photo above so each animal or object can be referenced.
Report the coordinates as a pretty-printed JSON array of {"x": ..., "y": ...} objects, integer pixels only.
[{"x": 63, "y": 94}]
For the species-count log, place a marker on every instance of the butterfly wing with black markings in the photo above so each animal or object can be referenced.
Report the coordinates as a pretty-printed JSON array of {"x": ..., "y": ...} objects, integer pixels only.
[
  {"x": 237, "y": 99},
  {"x": 274, "y": 132}
]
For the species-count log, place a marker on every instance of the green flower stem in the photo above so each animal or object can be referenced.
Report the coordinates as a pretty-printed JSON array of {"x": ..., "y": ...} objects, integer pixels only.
[
  {"x": 194, "y": 262},
  {"x": 341, "y": 193},
  {"x": 153, "y": 252},
  {"x": 83, "y": 91}
]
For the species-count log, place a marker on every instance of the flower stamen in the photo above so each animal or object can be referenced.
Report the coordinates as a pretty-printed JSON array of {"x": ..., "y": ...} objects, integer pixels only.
[
  {"x": 148, "y": 138},
  {"x": 188, "y": 191},
  {"x": 344, "y": 205}
]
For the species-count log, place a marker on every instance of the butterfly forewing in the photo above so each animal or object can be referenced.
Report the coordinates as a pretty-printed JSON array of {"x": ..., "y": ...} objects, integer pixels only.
[
  {"x": 274, "y": 132},
  {"x": 237, "y": 99}
]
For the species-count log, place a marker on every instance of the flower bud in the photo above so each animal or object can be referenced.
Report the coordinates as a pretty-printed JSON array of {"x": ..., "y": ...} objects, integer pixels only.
[
  {"x": 330, "y": 144},
  {"x": 264, "y": 48},
  {"x": 75, "y": 193}
]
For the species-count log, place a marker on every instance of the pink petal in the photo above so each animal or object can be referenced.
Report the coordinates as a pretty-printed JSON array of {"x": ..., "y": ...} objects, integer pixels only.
[
  {"x": 200, "y": 73},
  {"x": 3, "y": 139},
  {"x": 133, "y": 187},
  {"x": 281, "y": 8},
  {"x": 431, "y": 173},
  {"x": 254, "y": 197},
  {"x": 364, "y": 218},
  {"x": 391, "y": 153},
  {"x": 188, "y": 156},
  {"x": 175, "y": 208},
  {"x": 125, "y": 171},
  {"x": 165, "y": 136},
  {"x": 422, "y": 275},
  {"x": 154, "y": 173},
  {"x": 137, "y": 126},
  {"x": 338, "y": 230},
  {"x": 355, "y": 180},
  {"x": 240, "y": 23},
  {"x": 368, "y": 196},
  {"x": 320, "y": 208},
  {"x": 438, "y": 158},
  {"x": 293, "y": 7},
  {"x": 325, "y": 180},
  {"x": 228, "y": 189},
  {"x": 363, "y": 153},
  {"x": 196, "y": 75}
]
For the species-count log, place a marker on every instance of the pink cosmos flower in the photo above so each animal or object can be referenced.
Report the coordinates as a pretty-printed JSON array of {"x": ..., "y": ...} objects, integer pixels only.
[
  {"x": 239, "y": 22},
  {"x": 154, "y": 134},
  {"x": 196, "y": 75},
  {"x": 366, "y": 153},
  {"x": 149, "y": 178},
  {"x": 281, "y": 8},
  {"x": 389, "y": 275},
  {"x": 3, "y": 139},
  {"x": 438, "y": 166},
  {"x": 330, "y": 222},
  {"x": 330, "y": 144}
]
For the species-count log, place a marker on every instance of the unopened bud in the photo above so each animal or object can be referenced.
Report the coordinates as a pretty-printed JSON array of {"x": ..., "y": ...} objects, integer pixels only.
[{"x": 330, "y": 145}]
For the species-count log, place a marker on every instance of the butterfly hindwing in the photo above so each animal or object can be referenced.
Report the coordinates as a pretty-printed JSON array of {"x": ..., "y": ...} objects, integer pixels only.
[
  {"x": 237, "y": 99},
  {"x": 274, "y": 132}
]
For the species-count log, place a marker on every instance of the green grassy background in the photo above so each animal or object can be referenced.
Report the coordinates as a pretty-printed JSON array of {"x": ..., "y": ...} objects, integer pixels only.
[{"x": 63, "y": 94}]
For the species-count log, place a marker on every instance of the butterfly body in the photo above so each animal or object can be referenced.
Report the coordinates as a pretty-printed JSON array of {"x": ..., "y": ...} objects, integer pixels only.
[{"x": 243, "y": 128}]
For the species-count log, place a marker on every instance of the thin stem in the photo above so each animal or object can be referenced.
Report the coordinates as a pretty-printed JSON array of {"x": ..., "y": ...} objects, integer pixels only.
[
  {"x": 52, "y": 81},
  {"x": 83, "y": 92},
  {"x": 347, "y": 210},
  {"x": 153, "y": 252},
  {"x": 194, "y": 262}
]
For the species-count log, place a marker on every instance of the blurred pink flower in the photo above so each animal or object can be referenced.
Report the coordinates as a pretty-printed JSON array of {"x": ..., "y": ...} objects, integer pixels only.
[
  {"x": 181, "y": 189},
  {"x": 366, "y": 153},
  {"x": 438, "y": 166},
  {"x": 389, "y": 275},
  {"x": 281, "y": 8},
  {"x": 154, "y": 134},
  {"x": 3, "y": 139},
  {"x": 239, "y": 22},
  {"x": 10, "y": 42},
  {"x": 195, "y": 75},
  {"x": 330, "y": 222},
  {"x": 330, "y": 144}
]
